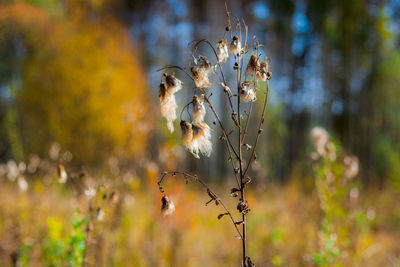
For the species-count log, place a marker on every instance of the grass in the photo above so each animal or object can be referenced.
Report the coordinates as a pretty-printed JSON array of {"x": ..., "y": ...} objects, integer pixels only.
[{"x": 46, "y": 226}]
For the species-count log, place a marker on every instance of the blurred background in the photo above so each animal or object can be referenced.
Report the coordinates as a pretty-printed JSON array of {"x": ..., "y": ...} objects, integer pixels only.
[{"x": 79, "y": 87}]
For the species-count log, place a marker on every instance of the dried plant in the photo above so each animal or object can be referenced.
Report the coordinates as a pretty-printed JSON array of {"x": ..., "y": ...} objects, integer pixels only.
[{"x": 251, "y": 68}]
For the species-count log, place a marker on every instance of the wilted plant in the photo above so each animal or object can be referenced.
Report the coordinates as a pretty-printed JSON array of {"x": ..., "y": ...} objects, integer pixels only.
[{"x": 196, "y": 133}]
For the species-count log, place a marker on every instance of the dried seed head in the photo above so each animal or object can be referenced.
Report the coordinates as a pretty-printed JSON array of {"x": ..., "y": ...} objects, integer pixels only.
[
  {"x": 100, "y": 214},
  {"x": 262, "y": 74},
  {"x": 205, "y": 65},
  {"x": 200, "y": 77},
  {"x": 351, "y": 166},
  {"x": 22, "y": 183},
  {"x": 167, "y": 206},
  {"x": 187, "y": 136},
  {"x": 62, "y": 174},
  {"x": 222, "y": 51},
  {"x": 247, "y": 92},
  {"x": 236, "y": 46},
  {"x": 202, "y": 138},
  {"x": 198, "y": 109},
  {"x": 196, "y": 138},
  {"x": 168, "y": 106},
  {"x": 173, "y": 84},
  {"x": 253, "y": 66}
]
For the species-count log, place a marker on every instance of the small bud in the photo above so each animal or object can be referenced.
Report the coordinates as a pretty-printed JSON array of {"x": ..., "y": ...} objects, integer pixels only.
[{"x": 222, "y": 215}]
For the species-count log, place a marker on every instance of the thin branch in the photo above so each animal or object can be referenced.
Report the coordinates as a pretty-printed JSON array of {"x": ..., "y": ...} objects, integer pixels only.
[
  {"x": 177, "y": 67},
  {"x": 259, "y": 130},
  {"x": 251, "y": 103},
  {"x": 221, "y": 125},
  {"x": 197, "y": 179}
]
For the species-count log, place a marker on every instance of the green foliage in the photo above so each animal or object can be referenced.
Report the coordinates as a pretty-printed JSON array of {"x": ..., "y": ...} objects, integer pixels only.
[
  {"x": 334, "y": 172},
  {"x": 65, "y": 251}
]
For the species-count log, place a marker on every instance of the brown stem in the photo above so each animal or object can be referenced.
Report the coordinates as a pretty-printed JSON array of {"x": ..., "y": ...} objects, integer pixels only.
[
  {"x": 251, "y": 159},
  {"x": 197, "y": 179}
]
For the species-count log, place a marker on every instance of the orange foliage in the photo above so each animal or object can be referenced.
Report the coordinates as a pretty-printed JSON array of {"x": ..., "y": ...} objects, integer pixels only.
[{"x": 81, "y": 85}]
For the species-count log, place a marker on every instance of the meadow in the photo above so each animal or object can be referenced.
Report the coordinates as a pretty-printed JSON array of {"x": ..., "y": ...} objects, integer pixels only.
[{"x": 119, "y": 223}]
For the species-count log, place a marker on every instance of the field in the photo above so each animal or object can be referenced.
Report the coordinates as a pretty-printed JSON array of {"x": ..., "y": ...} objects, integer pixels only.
[{"x": 45, "y": 223}]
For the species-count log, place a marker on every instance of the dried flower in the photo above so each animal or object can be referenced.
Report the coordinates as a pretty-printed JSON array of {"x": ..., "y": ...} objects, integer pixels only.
[
  {"x": 167, "y": 206},
  {"x": 201, "y": 137},
  {"x": 198, "y": 109},
  {"x": 262, "y": 74},
  {"x": 253, "y": 66},
  {"x": 222, "y": 51},
  {"x": 168, "y": 105},
  {"x": 173, "y": 83},
  {"x": 247, "y": 92},
  {"x": 187, "y": 137},
  {"x": 236, "y": 46},
  {"x": 196, "y": 138},
  {"x": 205, "y": 65},
  {"x": 200, "y": 77}
]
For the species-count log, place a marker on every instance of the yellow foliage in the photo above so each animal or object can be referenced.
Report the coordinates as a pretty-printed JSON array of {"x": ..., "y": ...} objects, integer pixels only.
[{"x": 81, "y": 86}]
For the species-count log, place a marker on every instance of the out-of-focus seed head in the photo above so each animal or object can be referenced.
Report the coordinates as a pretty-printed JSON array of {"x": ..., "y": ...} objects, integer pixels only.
[
  {"x": 351, "y": 166},
  {"x": 167, "y": 206}
]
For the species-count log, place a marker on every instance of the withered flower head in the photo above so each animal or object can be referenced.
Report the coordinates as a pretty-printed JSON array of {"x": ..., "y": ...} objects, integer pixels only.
[
  {"x": 205, "y": 65},
  {"x": 167, "y": 206},
  {"x": 262, "y": 74},
  {"x": 200, "y": 77},
  {"x": 173, "y": 83},
  {"x": 253, "y": 66},
  {"x": 247, "y": 92},
  {"x": 201, "y": 138},
  {"x": 198, "y": 109},
  {"x": 168, "y": 106},
  {"x": 196, "y": 138},
  {"x": 222, "y": 51},
  {"x": 162, "y": 91},
  {"x": 235, "y": 47},
  {"x": 187, "y": 138}
]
